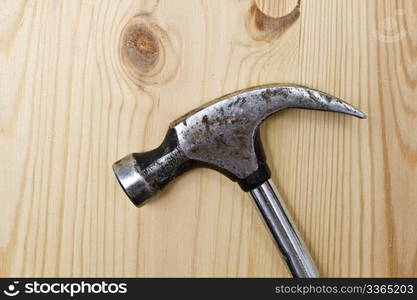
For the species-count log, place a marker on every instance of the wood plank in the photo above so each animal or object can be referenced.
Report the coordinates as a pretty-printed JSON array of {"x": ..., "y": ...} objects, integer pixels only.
[{"x": 70, "y": 105}]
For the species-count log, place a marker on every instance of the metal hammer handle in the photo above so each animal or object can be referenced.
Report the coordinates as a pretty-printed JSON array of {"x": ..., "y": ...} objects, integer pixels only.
[{"x": 283, "y": 230}]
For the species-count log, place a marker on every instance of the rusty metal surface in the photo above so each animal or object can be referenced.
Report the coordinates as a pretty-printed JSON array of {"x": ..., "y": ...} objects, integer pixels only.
[{"x": 222, "y": 133}]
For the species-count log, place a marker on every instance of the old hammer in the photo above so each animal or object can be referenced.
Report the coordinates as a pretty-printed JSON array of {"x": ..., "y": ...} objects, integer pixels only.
[{"x": 224, "y": 135}]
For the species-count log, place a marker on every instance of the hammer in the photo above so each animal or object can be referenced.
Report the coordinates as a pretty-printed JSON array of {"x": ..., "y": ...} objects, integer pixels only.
[{"x": 224, "y": 135}]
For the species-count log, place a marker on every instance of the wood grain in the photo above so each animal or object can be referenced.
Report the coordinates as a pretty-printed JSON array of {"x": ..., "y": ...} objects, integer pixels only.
[{"x": 69, "y": 107}]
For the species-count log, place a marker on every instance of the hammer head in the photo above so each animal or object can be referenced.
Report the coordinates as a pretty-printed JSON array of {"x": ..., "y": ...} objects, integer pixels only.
[{"x": 221, "y": 135}]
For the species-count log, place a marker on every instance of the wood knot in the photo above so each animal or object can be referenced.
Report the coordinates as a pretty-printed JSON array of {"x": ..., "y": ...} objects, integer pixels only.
[
  {"x": 146, "y": 51},
  {"x": 267, "y": 27}
]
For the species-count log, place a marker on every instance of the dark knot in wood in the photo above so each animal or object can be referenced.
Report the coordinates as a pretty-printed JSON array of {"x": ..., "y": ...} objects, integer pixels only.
[{"x": 146, "y": 52}]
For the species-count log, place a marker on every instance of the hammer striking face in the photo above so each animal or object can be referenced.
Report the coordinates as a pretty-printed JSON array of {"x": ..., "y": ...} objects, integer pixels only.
[{"x": 224, "y": 135}]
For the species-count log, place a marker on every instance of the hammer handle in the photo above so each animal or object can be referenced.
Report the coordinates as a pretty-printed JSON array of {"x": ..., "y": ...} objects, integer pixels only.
[{"x": 283, "y": 230}]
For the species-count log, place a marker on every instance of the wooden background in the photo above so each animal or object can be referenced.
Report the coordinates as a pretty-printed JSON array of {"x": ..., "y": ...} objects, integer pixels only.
[{"x": 75, "y": 97}]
